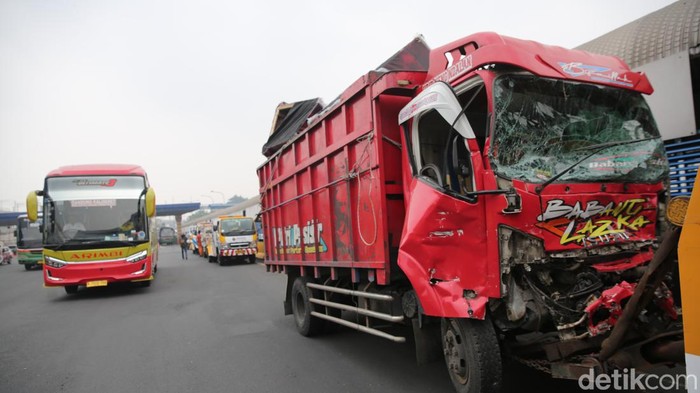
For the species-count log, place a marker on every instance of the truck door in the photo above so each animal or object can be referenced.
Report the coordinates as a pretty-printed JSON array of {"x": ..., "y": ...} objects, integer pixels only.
[{"x": 443, "y": 244}]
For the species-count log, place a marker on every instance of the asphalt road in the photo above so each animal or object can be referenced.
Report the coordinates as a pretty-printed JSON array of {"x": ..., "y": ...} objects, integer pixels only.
[{"x": 199, "y": 328}]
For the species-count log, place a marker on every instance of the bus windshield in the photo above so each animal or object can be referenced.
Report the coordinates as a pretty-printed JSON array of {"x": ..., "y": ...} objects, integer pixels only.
[
  {"x": 95, "y": 209},
  {"x": 543, "y": 126}
]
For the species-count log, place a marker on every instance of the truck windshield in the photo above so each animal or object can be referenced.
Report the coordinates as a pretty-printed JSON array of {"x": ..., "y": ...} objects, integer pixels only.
[
  {"x": 237, "y": 227},
  {"x": 94, "y": 210},
  {"x": 543, "y": 126},
  {"x": 29, "y": 233}
]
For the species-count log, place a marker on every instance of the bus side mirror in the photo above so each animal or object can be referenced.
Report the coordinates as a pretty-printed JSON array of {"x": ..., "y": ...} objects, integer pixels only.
[
  {"x": 150, "y": 202},
  {"x": 32, "y": 206}
]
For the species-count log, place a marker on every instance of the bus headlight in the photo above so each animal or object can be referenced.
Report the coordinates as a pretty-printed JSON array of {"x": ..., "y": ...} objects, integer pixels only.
[
  {"x": 53, "y": 262},
  {"x": 139, "y": 256}
]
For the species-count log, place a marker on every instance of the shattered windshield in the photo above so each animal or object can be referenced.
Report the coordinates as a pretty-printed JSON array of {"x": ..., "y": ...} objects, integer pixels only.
[
  {"x": 543, "y": 126},
  {"x": 237, "y": 227},
  {"x": 95, "y": 209}
]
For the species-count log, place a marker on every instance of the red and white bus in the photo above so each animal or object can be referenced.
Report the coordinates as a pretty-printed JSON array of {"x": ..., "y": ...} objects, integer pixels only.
[{"x": 99, "y": 226}]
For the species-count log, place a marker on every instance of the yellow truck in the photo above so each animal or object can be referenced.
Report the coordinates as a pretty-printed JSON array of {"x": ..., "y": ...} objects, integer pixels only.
[
  {"x": 689, "y": 267},
  {"x": 235, "y": 238}
]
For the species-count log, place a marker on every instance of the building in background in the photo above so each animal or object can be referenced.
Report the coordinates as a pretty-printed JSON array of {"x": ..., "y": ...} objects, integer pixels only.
[{"x": 666, "y": 46}]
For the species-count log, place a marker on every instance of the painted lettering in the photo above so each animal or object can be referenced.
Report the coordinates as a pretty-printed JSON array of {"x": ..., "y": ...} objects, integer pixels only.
[
  {"x": 594, "y": 224},
  {"x": 308, "y": 239}
]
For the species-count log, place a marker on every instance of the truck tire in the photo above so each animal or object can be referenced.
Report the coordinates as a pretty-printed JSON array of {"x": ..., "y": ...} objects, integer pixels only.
[
  {"x": 472, "y": 355},
  {"x": 251, "y": 258},
  {"x": 71, "y": 289},
  {"x": 28, "y": 266},
  {"x": 307, "y": 324}
]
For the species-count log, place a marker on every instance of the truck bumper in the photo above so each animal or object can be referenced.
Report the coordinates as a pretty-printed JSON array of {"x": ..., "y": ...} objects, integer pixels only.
[{"x": 237, "y": 252}]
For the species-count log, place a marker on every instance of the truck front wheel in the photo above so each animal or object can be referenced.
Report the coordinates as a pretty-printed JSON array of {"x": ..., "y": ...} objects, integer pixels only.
[
  {"x": 307, "y": 324},
  {"x": 472, "y": 355}
]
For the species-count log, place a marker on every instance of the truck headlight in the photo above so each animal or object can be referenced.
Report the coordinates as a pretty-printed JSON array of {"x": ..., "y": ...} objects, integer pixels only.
[
  {"x": 53, "y": 262},
  {"x": 139, "y": 256}
]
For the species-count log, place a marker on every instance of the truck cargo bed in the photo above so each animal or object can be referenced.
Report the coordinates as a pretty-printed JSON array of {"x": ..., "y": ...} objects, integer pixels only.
[{"x": 332, "y": 197}]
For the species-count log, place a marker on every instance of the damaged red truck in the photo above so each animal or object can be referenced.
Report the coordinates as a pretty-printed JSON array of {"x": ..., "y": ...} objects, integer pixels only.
[{"x": 500, "y": 196}]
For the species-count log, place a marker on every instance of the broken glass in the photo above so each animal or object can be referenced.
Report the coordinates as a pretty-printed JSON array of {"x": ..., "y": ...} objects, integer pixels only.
[{"x": 543, "y": 126}]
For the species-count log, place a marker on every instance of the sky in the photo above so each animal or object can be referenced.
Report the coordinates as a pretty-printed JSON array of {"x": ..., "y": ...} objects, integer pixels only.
[{"x": 188, "y": 89}]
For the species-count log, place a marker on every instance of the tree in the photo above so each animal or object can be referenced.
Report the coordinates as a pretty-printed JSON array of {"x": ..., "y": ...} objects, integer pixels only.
[{"x": 236, "y": 199}]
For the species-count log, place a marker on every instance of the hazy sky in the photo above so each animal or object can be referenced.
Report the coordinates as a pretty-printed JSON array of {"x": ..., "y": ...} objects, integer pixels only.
[{"x": 187, "y": 89}]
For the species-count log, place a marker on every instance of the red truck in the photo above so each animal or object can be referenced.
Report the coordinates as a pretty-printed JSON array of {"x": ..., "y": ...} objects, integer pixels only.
[{"x": 499, "y": 196}]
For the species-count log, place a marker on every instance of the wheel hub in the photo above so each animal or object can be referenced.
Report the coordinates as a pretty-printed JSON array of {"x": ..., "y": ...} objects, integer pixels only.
[{"x": 455, "y": 356}]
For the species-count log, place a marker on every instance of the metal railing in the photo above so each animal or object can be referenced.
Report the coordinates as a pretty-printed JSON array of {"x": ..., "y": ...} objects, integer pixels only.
[{"x": 684, "y": 159}]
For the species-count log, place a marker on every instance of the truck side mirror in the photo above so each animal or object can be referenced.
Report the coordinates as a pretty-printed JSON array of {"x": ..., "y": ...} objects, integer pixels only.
[
  {"x": 32, "y": 206},
  {"x": 150, "y": 202}
]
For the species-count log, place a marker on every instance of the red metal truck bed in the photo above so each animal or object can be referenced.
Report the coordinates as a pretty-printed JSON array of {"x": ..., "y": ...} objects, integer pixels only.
[{"x": 332, "y": 197}]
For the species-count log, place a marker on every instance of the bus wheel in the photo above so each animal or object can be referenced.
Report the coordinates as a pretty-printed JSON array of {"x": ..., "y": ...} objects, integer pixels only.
[
  {"x": 307, "y": 324},
  {"x": 71, "y": 289},
  {"x": 472, "y": 355}
]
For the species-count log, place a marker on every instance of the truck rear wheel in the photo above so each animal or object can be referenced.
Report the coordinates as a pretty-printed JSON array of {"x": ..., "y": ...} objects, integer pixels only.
[
  {"x": 307, "y": 324},
  {"x": 472, "y": 355}
]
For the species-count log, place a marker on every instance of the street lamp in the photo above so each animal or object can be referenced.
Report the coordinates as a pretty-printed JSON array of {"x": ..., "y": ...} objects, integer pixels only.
[{"x": 223, "y": 197}]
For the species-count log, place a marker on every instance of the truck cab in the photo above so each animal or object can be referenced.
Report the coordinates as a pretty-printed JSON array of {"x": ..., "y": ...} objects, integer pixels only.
[{"x": 235, "y": 239}]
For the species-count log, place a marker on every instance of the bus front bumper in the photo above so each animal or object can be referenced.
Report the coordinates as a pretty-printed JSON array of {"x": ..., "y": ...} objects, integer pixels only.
[{"x": 97, "y": 274}]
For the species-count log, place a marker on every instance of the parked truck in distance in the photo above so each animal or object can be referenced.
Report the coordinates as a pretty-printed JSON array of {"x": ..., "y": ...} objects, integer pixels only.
[
  {"x": 235, "y": 239},
  {"x": 501, "y": 197},
  {"x": 29, "y": 247},
  {"x": 99, "y": 226},
  {"x": 167, "y": 236}
]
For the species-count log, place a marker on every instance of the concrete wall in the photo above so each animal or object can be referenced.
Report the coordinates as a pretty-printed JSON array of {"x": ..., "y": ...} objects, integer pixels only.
[{"x": 672, "y": 100}]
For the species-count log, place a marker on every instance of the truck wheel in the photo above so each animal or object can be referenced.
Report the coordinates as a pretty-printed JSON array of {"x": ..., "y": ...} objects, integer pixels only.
[
  {"x": 251, "y": 258},
  {"x": 71, "y": 289},
  {"x": 220, "y": 260},
  {"x": 307, "y": 325},
  {"x": 472, "y": 355},
  {"x": 28, "y": 266}
]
